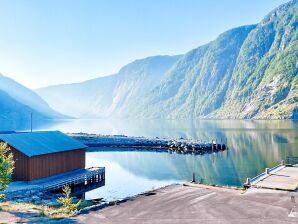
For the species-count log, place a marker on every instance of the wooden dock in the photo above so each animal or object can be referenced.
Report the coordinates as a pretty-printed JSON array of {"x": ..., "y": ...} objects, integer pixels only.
[{"x": 81, "y": 177}]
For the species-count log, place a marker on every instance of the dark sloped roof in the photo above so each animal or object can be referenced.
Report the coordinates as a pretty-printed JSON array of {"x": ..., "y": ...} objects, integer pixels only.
[{"x": 42, "y": 142}]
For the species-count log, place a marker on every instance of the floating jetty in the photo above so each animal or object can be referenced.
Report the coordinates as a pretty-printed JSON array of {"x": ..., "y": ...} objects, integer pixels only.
[{"x": 170, "y": 145}]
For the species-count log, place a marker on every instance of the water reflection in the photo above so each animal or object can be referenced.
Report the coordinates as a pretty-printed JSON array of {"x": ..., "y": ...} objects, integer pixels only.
[
  {"x": 121, "y": 182},
  {"x": 194, "y": 129},
  {"x": 25, "y": 124},
  {"x": 80, "y": 190},
  {"x": 253, "y": 146},
  {"x": 265, "y": 142}
]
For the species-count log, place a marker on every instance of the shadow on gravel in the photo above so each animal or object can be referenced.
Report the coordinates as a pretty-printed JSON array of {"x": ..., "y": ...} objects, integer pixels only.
[{"x": 33, "y": 216}]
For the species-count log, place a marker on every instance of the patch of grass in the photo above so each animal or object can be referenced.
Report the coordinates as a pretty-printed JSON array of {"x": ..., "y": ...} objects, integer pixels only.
[
  {"x": 16, "y": 207},
  {"x": 67, "y": 209},
  {"x": 44, "y": 210},
  {"x": 55, "y": 213},
  {"x": 47, "y": 211}
]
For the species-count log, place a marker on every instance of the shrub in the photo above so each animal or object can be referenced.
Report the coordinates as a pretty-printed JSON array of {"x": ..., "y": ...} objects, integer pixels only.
[
  {"x": 67, "y": 201},
  {"x": 6, "y": 165}
]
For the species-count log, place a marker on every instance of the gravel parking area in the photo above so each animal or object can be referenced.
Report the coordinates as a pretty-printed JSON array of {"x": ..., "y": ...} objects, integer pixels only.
[{"x": 189, "y": 204}]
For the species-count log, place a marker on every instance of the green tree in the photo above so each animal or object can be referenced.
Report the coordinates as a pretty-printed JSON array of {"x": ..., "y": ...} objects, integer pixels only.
[
  {"x": 67, "y": 201},
  {"x": 6, "y": 165}
]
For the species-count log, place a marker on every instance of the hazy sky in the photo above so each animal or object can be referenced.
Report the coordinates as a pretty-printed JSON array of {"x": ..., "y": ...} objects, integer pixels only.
[{"x": 46, "y": 42}]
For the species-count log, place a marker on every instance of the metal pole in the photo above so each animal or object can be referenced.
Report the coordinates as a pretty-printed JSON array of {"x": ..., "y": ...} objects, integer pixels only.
[
  {"x": 193, "y": 177},
  {"x": 31, "y": 120}
]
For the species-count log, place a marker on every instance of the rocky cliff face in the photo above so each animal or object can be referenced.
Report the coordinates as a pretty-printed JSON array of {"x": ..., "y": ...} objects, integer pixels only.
[{"x": 247, "y": 72}]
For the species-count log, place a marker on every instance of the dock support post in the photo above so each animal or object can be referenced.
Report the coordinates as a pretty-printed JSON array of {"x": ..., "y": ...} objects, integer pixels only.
[
  {"x": 267, "y": 170},
  {"x": 212, "y": 146},
  {"x": 247, "y": 181},
  {"x": 282, "y": 163},
  {"x": 216, "y": 145}
]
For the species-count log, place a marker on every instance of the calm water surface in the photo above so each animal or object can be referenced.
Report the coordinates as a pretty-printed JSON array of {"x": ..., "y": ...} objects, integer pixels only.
[{"x": 253, "y": 146}]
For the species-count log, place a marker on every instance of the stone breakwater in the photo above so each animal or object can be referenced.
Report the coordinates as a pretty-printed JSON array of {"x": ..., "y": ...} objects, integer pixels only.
[{"x": 180, "y": 145}]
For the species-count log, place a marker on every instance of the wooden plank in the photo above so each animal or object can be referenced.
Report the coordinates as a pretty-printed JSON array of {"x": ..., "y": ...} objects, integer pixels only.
[
  {"x": 76, "y": 180},
  {"x": 51, "y": 164},
  {"x": 21, "y": 165}
]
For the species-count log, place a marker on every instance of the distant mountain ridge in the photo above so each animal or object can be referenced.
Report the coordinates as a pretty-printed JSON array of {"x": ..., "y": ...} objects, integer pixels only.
[
  {"x": 249, "y": 72},
  {"x": 14, "y": 110},
  {"x": 18, "y": 102},
  {"x": 111, "y": 95}
]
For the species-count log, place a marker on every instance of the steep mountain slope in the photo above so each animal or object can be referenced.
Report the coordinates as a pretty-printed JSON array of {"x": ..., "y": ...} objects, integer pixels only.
[
  {"x": 111, "y": 95},
  {"x": 77, "y": 99},
  {"x": 248, "y": 72},
  {"x": 265, "y": 83},
  {"x": 10, "y": 109},
  {"x": 25, "y": 97},
  {"x": 197, "y": 83}
]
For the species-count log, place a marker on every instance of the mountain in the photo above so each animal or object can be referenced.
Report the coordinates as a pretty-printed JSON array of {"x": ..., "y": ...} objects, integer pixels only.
[
  {"x": 197, "y": 84},
  {"x": 249, "y": 72},
  {"x": 12, "y": 109},
  {"x": 111, "y": 95},
  {"x": 17, "y": 102},
  {"x": 264, "y": 82}
]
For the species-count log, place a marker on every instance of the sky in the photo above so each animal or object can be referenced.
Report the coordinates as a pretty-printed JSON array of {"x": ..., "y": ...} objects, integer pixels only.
[{"x": 49, "y": 42}]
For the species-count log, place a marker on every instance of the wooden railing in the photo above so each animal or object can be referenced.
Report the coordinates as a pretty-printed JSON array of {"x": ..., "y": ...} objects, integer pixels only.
[{"x": 91, "y": 175}]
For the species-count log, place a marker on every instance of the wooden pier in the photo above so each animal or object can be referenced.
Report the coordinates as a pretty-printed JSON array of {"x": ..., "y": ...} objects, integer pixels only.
[{"x": 81, "y": 177}]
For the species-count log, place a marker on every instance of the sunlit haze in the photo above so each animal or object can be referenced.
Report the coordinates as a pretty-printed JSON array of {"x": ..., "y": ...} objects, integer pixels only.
[{"x": 51, "y": 42}]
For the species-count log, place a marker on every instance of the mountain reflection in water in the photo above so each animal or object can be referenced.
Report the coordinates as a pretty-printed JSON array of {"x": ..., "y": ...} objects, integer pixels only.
[{"x": 253, "y": 146}]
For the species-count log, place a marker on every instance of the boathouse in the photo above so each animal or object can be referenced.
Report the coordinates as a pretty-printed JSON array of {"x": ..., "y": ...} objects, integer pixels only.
[{"x": 43, "y": 154}]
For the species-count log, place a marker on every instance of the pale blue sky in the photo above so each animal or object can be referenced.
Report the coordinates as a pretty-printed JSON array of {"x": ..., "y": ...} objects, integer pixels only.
[{"x": 46, "y": 42}]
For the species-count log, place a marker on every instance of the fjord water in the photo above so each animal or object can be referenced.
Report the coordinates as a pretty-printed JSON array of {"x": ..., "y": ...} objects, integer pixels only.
[{"x": 253, "y": 146}]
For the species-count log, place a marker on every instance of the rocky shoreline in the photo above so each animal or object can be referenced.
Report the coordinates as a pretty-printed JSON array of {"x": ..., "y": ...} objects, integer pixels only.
[{"x": 34, "y": 196}]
